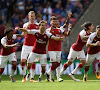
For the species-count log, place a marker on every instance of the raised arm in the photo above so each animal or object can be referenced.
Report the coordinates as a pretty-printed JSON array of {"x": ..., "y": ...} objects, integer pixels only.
[{"x": 67, "y": 20}]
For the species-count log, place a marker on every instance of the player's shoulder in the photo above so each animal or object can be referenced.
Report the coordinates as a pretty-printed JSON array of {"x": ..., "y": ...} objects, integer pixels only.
[
  {"x": 25, "y": 24},
  {"x": 48, "y": 29},
  {"x": 4, "y": 38},
  {"x": 82, "y": 32},
  {"x": 36, "y": 23},
  {"x": 93, "y": 34}
]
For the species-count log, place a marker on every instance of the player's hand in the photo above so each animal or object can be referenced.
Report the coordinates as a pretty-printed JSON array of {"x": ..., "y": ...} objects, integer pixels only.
[
  {"x": 62, "y": 38},
  {"x": 69, "y": 27},
  {"x": 17, "y": 28},
  {"x": 16, "y": 44},
  {"x": 98, "y": 43},
  {"x": 69, "y": 14}
]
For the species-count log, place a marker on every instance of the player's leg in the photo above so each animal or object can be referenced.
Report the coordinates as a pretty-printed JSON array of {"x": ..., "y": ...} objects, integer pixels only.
[
  {"x": 98, "y": 69},
  {"x": 72, "y": 55},
  {"x": 81, "y": 55},
  {"x": 58, "y": 68},
  {"x": 29, "y": 64},
  {"x": 54, "y": 64},
  {"x": 3, "y": 62},
  {"x": 12, "y": 59},
  {"x": 43, "y": 62},
  {"x": 89, "y": 60},
  {"x": 32, "y": 71},
  {"x": 24, "y": 55}
]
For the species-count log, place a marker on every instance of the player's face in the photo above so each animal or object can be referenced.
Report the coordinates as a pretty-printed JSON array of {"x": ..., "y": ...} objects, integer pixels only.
[
  {"x": 9, "y": 35},
  {"x": 91, "y": 28},
  {"x": 31, "y": 17},
  {"x": 98, "y": 31},
  {"x": 43, "y": 26},
  {"x": 58, "y": 24},
  {"x": 54, "y": 23}
]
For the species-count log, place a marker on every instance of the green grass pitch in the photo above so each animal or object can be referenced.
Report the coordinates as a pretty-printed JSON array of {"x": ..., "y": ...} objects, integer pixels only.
[{"x": 67, "y": 84}]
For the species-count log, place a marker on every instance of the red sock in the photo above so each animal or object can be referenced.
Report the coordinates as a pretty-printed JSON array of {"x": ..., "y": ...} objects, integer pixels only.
[
  {"x": 14, "y": 67},
  {"x": 99, "y": 65},
  {"x": 53, "y": 67},
  {"x": 22, "y": 63},
  {"x": 86, "y": 68},
  {"x": 80, "y": 65},
  {"x": 33, "y": 66},
  {"x": 1, "y": 70},
  {"x": 65, "y": 65}
]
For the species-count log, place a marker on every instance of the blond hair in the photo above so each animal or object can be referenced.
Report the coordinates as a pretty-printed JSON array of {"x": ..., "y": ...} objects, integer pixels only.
[{"x": 42, "y": 21}]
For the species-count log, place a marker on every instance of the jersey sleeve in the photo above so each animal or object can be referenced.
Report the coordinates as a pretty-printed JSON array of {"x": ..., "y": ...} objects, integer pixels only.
[
  {"x": 3, "y": 41},
  {"x": 49, "y": 34},
  {"x": 82, "y": 33},
  {"x": 62, "y": 29},
  {"x": 33, "y": 31},
  {"x": 90, "y": 39},
  {"x": 14, "y": 36}
]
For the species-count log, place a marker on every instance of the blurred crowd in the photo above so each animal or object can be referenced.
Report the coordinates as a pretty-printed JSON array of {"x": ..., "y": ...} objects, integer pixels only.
[{"x": 15, "y": 12}]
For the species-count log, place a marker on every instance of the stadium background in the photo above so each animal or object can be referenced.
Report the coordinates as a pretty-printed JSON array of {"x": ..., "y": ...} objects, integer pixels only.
[{"x": 13, "y": 13}]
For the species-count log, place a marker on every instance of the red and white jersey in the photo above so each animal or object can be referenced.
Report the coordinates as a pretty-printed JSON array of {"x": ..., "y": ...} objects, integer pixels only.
[
  {"x": 93, "y": 39},
  {"x": 30, "y": 38},
  {"x": 7, "y": 51},
  {"x": 41, "y": 41},
  {"x": 78, "y": 46},
  {"x": 53, "y": 44}
]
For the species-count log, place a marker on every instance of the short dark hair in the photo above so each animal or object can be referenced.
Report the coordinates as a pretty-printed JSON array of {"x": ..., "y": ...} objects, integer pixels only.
[
  {"x": 7, "y": 30},
  {"x": 98, "y": 26},
  {"x": 53, "y": 18},
  {"x": 86, "y": 25}
]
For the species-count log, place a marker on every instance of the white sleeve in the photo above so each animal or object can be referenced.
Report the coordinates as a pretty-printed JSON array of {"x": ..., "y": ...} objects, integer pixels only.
[
  {"x": 3, "y": 41},
  {"x": 33, "y": 31},
  {"x": 62, "y": 29},
  {"x": 90, "y": 39},
  {"x": 25, "y": 25},
  {"x": 82, "y": 33},
  {"x": 48, "y": 30},
  {"x": 49, "y": 35},
  {"x": 14, "y": 36}
]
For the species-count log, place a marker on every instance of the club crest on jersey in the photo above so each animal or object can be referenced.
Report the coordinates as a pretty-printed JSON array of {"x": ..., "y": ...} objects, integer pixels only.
[{"x": 44, "y": 36}]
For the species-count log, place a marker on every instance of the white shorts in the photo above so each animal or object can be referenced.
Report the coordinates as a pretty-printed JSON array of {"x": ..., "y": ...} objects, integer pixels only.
[
  {"x": 91, "y": 58},
  {"x": 34, "y": 56},
  {"x": 5, "y": 59},
  {"x": 73, "y": 54},
  {"x": 55, "y": 56},
  {"x": 26, "y": 50}
]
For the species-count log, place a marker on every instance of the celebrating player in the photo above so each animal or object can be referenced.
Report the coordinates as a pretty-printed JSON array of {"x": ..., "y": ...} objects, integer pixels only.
[
  {"x": 54, "y": 48},
  {"x": 93, "y": 52},
  {"x": 28, "y": 45},
  {"x": 7, "y": 53},
  {"x": 76, "y": 50},
  {"x": 39, "y": 49}
]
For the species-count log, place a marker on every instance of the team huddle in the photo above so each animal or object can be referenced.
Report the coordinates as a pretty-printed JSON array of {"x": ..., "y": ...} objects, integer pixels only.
[{"x": 34, "y": 48}]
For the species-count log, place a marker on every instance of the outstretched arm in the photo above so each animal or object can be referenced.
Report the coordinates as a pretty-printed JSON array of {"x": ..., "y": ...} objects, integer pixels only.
[
  {"x": 22, "y": 29},
  {"x": 93, "y": 44},
  {"x": 57, "y": 38}
]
